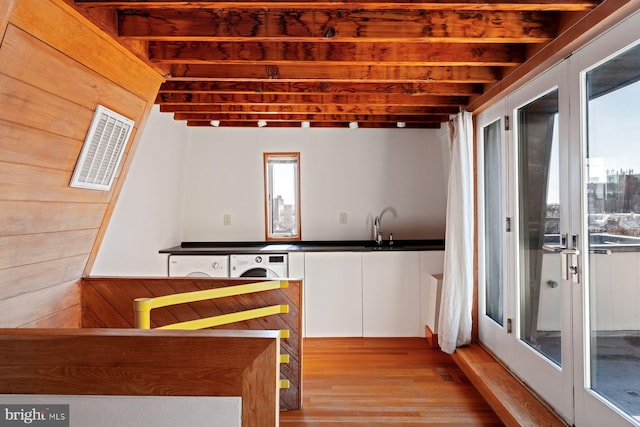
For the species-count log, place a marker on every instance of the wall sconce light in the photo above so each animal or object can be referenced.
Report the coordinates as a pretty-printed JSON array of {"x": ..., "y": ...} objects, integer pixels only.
[
  {"x": 262, "y": 123},
  {"x": 353, "y": 125},
  {"x": 215, "y": 123},
  {"x": 305, "y": 125},
  {"x": 401, "y": 124}
]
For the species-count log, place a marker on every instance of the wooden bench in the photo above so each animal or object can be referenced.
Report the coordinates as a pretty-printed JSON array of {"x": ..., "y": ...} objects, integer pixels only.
[{"x": 512, "y": 401}]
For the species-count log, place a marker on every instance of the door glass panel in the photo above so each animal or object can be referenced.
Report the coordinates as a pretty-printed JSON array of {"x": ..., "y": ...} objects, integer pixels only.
[
  {"x": 493, "y": 222},
  {"x": 540, "y": 313},
  {"x": 613, "y": 221}
]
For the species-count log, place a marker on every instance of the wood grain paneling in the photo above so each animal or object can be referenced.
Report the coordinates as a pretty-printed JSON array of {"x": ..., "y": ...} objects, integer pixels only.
[
  {"x": 108, "y": 303},
  {"x": 5, "y": 13},
  {"x": 22, "y": 144},
  {"x": 28, "y": 278},
  {"x": 57, "y": 298},
  {"x": 70, "y": 317},
  {"x": 54, "y": 72},
  {"x": 33, "y": 107},
  {"x": 43, "y": 184},
  {"x": 17, "y": 217},
  {"x": 146, "y": 363},
  {"x": 35, "y": 248},
  {"x": 73, "y": 35},
  {"x": 55, "y": 67}
]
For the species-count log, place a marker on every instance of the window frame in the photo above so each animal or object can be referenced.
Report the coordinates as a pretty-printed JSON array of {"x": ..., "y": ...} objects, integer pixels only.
[{"x": 270, "y": 235}]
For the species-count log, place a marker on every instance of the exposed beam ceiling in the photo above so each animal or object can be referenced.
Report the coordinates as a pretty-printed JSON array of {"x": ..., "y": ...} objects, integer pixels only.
[{"x": 330, "y": 62}]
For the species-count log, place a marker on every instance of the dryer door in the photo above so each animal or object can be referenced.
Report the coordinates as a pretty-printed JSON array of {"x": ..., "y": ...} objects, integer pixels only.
[{"x": 259, "y": 272}]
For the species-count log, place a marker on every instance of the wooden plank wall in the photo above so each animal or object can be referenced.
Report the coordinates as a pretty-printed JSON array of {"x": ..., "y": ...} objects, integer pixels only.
[
  {"x": 55, "y": 67},
  {"x": 108, "y": 303},
  {"x": 145, "y": 363}
]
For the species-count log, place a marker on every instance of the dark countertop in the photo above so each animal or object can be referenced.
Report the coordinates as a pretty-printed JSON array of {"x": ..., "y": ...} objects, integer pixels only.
[{"x": 226, "y": 248}]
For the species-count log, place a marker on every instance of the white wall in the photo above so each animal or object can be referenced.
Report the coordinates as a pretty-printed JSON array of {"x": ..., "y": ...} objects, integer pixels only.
[
  {"x": 361, "y": 172},
  {"x": 148, "y": 214},
  {"x": 182, "y": 181}
]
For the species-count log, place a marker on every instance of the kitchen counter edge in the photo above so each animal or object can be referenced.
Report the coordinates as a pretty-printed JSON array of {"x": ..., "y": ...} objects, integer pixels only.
[{"x": 227, "y": 248}]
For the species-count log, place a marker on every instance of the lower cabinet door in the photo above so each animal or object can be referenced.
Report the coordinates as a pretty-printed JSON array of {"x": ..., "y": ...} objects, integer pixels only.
[
  {"x": 333, "y": 294},
  {"x": 391, "y": 294}
]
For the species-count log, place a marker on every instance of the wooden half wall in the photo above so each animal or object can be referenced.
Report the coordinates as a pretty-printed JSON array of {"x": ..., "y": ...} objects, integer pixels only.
[
  {"x": 108, "y": 303},
  {"x": 128, "y": 362},
  {"x": 55, "y": 67}
]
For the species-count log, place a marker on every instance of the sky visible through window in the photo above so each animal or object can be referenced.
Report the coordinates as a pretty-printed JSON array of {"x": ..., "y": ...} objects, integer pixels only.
[
  {"x": 613, "y": 133},
  {"x": 612, "y": 118},
  {"x": 284, "y": 182}
]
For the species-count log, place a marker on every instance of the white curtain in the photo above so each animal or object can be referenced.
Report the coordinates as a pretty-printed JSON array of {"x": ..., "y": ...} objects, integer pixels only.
[{"x": 454, "y": 327}]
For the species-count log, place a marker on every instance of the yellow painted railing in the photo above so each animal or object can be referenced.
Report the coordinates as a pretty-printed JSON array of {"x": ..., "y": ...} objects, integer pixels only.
[{"x": 143, "y": 307}]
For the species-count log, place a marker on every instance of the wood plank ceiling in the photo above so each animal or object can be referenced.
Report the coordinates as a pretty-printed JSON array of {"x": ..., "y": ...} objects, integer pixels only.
[{"x": 324, "y": 63}]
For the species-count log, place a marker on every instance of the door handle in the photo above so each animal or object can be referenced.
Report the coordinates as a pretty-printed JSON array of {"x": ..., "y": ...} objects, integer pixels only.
[
  {"x": 569, "y": 260},
  {"x": 558, "y": 247}
]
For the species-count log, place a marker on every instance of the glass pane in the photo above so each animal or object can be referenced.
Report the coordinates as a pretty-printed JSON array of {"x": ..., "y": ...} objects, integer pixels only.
[
  {"x": 282, "y": 195},
  {"x": 493, "y": 221},
  {"x": 539, "y": 234},
  {"x": 613, "y": 207}
]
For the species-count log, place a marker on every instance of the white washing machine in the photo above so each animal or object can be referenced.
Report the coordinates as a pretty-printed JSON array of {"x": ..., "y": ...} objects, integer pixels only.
[
  {"x": 262, "y": 265},
  {"x": 199, "y": 265}
]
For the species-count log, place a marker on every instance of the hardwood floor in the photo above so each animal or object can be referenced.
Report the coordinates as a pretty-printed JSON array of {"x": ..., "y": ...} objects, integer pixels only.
[{"x": 384, "y": 382}]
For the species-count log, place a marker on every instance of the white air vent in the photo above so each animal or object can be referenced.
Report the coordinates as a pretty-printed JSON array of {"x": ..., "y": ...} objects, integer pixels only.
[{"x": 102, "y": 150}]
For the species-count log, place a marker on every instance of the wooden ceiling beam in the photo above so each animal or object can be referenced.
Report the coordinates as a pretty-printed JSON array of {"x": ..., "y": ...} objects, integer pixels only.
[
  {"x": 468, "y": 5},
  {"x": 317, "y": 25},
  {"x": 390, "y": 53},
  {"x": 311, "y": 109},
  {"x": 311, "y": 72},
  {"x": 321, "y": 87},
  {"x": 301, "y": 99},
  {"x": 371, "y": 125},
  {"x": 607, "y": 14},
  {"x": 434, "y": 118},
  {"x": 333, "y": 62},
  {"x": 217, "y": 110}
]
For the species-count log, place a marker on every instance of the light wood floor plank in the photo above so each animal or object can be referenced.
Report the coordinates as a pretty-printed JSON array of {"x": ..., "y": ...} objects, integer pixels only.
[{"x": 378, "y": 382}]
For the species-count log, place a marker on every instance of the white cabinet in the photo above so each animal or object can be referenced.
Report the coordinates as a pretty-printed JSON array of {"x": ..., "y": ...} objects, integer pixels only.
[
  {"x": 371, "y": 294},
  {"x": 431, "y": 264},
  {"x": 333, "y": 294},
  {"x": 296, "y": 265},
  {"x": 391, "y": 290}
]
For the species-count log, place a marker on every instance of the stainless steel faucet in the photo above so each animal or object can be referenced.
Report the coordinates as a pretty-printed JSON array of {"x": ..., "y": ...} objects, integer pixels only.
[{"x": 377, "y": 230}]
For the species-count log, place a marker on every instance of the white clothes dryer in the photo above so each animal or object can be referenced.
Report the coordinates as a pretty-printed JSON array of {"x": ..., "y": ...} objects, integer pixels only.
[{"x": 261, "y": 265}]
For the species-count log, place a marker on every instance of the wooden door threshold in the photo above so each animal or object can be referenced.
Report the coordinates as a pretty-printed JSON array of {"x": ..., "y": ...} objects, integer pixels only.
[{"x": 511, "y": 400}]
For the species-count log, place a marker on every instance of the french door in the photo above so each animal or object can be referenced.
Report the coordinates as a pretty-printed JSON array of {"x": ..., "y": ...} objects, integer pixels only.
[
  {"x": 526, "y": 239},
  {"x": 606, "y": 80},
  {"x": 559, "y": 231}
]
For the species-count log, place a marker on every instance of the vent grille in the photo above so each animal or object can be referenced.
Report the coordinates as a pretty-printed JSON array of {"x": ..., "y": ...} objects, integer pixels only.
[{"x": 102, "y": 150}]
